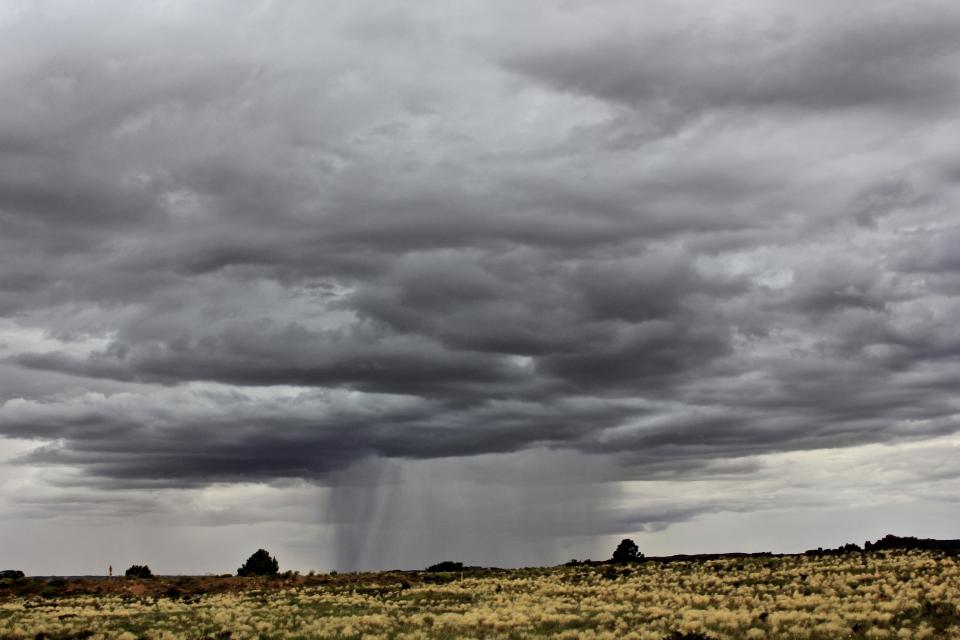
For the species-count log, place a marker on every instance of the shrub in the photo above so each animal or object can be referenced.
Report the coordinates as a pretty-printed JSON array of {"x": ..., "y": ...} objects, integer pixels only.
[
  {"x": 627, "y": 551},
  {"x": 139, "y": 571},
  {"x": 50, "y": 592},
  {"x": 260, "y": 563},
  {"x": 446, "y": 565}
]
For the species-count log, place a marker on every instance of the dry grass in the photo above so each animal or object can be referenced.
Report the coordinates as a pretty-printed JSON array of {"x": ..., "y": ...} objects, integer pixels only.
[{"x": 883, "y": 595}]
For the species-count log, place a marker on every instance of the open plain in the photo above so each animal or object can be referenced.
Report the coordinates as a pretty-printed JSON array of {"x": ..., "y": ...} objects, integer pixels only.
[{"x": 888, "y": 594}]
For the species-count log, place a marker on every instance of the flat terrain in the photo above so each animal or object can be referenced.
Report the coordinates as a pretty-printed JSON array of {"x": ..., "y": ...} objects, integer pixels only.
[{"x": 891, "y": 594}]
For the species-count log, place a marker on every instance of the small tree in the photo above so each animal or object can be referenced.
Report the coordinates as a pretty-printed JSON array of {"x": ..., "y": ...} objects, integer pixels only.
[
  {"x": 260, "y": 563},
  {"x": 627, "y": 551},
  {"x": 139, "y": 571}
]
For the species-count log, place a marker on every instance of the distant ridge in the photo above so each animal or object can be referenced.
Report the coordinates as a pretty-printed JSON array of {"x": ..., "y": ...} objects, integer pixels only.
[{"x": 890, "y": 541}]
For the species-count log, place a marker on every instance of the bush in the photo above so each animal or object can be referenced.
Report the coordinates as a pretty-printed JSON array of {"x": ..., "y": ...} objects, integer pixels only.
[
  {"x": 627, "y": 551},
  {"x": 260, "y": 563},
  {"x": 11, "y": 573},
  {"x": 139, "y": 571},
  {"x": 50, "y": 592},
  {"x": 446, "y": 565}
]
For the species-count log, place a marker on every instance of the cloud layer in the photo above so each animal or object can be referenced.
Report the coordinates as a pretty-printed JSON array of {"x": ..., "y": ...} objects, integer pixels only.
[{"x": 270, "y": 242}]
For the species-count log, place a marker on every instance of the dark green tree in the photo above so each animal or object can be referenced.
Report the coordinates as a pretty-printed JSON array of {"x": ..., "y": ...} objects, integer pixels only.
[
  {"x": 627, "y": 551},
  {"x": 139, "y": 571},
  {"x": 260, "y": 563}
]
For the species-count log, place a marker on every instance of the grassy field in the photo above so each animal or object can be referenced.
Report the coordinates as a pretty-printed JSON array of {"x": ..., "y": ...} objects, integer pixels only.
[{"x": 878, "y": 595}]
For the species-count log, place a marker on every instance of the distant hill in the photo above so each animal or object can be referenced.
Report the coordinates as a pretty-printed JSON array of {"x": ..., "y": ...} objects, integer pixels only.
[{"x": 890, "y": 541}]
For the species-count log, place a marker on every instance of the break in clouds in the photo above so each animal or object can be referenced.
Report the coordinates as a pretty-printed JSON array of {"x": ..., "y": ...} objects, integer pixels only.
[{"x": 276, "y": 243}]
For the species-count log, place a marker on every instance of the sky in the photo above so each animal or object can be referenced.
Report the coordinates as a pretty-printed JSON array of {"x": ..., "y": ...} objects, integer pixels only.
[{"x": 373, "y": 285}]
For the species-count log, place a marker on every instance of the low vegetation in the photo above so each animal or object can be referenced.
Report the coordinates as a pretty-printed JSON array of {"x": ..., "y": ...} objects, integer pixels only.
[
  {"x": 897, "y": 594},
  {"x": 446, "y": 565}
]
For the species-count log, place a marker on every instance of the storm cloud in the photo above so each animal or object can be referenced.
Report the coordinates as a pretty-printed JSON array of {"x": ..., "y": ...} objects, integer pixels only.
[{"x": 271, "y": 243}]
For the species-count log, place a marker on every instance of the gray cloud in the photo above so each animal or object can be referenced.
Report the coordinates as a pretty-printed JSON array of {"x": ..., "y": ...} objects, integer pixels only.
[
  {"x": 810, "y": 59},
  {"x": 300, "y": 239}
]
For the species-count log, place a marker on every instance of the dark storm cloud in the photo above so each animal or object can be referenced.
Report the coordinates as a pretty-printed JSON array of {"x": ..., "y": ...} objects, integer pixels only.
[
  {"x": 185, "y": 438},
  {"x": 680, "y": 237},
  {"x": 292, "y": 355},
  {"x": 814, "y": 59}
]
